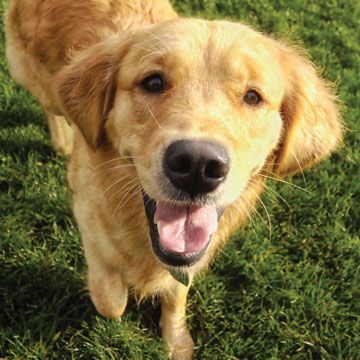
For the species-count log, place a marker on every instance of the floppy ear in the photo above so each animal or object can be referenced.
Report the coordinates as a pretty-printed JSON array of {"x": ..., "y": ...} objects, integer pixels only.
[
  {"x": 312, "y": 124},
  {"x": 86, "y": 88}
]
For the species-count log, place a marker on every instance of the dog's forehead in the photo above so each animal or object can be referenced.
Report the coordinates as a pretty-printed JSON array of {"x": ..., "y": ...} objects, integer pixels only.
[
  {"x": 213, "y": 49},
  {"x": 187, "y": 41}
]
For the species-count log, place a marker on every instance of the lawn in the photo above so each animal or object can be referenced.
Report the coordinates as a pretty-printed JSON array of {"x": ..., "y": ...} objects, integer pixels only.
[{"x": 291, "y": 294}]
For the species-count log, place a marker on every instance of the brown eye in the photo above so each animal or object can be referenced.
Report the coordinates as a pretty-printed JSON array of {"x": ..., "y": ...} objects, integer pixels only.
[
  {"x": 252, "y": 97},
  {"x": 153, "y": 83}
]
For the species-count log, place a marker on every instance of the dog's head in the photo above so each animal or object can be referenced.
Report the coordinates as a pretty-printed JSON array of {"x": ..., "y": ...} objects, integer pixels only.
[{"x": 200, "y": 107}]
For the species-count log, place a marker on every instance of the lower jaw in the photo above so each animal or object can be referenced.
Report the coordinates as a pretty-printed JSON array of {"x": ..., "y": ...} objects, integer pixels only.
[
  {"x": 174, "y": 259},
  {"x": 167, "y": 257}
]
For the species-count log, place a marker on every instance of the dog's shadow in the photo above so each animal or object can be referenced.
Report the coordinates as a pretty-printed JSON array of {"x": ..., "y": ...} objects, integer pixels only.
[
  {"x": 42, "y": 297},
  {"x": 45, "y": 300}
]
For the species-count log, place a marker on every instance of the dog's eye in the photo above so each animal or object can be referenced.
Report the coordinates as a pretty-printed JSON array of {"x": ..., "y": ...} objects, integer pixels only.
[
  {"x": 153, "y": 83},
  {"x": 252, "y": 97}
]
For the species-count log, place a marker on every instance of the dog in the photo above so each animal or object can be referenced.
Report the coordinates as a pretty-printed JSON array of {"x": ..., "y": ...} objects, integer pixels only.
[{"x": 173, "y": 126}]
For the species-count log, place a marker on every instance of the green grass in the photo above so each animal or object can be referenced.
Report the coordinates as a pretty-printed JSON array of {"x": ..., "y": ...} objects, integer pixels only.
[{"x": 294, "y": 295}]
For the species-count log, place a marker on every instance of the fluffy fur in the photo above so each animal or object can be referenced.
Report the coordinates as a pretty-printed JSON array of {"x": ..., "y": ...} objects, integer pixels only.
[{"x": 85, "y": 61}]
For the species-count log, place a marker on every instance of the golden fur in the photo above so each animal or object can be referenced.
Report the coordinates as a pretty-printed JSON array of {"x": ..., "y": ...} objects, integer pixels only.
[{"x": 84, "y": 61}]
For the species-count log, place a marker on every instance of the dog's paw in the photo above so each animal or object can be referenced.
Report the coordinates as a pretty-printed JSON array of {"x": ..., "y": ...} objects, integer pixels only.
[
  {"x": 181, "y": 346},
  {"x": 109, "y": 298}
]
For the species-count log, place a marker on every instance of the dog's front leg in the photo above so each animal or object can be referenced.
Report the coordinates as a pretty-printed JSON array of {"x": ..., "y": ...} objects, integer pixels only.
[
  {"x": 107, "y": 289},
  {"x": 173, "y": 323}
]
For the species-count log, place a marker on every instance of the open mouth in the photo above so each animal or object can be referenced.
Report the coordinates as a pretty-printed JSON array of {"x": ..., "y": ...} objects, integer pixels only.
[{"x": 180, "y": 234}]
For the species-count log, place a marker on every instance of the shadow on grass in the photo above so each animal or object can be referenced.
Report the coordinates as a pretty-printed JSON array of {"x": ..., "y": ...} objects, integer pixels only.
[
  {"x": 147, "y": 313},
  {"x": 227, "y": 267},
  {"x": 38, "y": 301},
  {"x": 22, "y": 115},
  {"x": 42, "y": 299},
  {"x": 22, "y": 147}
]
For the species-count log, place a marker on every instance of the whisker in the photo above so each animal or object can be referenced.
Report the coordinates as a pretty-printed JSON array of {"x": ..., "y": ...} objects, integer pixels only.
[
  {"x": 247, "y": 212},
  {"x": 113, "y": 168},
  {"x": 136, "y": 191},
  {"x": 286, "y": 182},
  {"x": 128, "y": 190},
  {"x": 153, "y": 116},
  {"x": 150, "y": 47},
  {"x": 114, "y": 159},
  {"x": 160, "y": 39},
  {"x": 130, "y": 182},
  {"x": 278, "y": 195},
  {"x": 150, "y": 54},
  {"x": 114, "y": 183},
  {"x": 300, "y": 168},
  {"x": 252, "y": 209},
  {"x": 263, "y": 188},
  {"x": 150, "y": 44},
  {"x": 266, "y": 211},
  {"x": 135, "y": 188}
]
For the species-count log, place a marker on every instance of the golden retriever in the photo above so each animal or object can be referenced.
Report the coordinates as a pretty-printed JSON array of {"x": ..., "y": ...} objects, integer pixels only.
[{"x": 174, "y": 124}]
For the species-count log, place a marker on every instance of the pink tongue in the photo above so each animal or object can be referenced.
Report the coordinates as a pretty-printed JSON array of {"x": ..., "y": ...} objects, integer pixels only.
[{"x": 184, "y": 229}]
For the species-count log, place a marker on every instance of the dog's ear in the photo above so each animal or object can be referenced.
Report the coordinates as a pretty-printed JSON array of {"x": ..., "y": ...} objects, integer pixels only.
[
  {"x": 86, "y": 89},
  {"x": 312, "y": 124}
]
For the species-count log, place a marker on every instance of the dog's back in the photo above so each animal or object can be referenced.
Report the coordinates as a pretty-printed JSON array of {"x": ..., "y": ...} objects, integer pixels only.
[
  {"x": 43, "y": 36},
  {"x": 51, "y": 31}
]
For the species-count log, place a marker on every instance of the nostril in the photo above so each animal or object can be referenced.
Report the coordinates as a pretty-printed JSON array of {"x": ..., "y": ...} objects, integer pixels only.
[
  {"x": 216, "y": 169},
  {"x": 180, "y": 164}
]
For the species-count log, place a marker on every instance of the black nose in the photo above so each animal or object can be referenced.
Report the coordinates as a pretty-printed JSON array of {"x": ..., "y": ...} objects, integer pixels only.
[{"x": 196, "y": 166}]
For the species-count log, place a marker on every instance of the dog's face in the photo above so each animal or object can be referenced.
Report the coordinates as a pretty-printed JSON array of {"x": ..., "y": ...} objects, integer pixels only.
[{"x": 199, "y": 107}]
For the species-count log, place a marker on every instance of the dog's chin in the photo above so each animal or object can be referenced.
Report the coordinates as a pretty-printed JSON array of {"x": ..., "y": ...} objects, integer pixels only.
[{"x": 167, "y": 256}]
